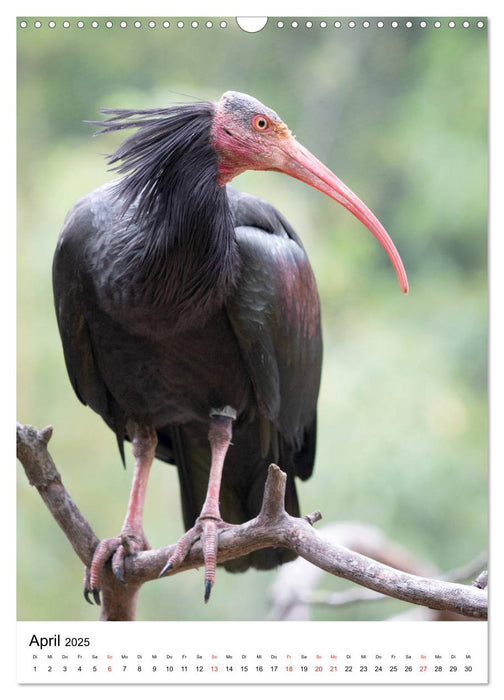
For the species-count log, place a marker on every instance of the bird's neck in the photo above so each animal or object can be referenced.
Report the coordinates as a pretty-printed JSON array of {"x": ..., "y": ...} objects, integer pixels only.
[
  {"x": 180, "y": 247},
  {"x": 189, "y": 269}
]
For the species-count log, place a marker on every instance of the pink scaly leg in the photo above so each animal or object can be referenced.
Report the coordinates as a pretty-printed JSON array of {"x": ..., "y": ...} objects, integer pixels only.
[
  {"x": 209, "y": 522},
  {"x": 131, "y": 538}
]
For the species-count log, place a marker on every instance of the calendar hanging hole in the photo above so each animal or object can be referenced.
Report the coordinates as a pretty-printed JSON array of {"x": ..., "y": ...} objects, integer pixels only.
[{"x": 252, "y": 24}]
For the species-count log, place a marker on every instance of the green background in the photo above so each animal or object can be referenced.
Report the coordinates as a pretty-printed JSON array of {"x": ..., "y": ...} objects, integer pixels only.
[{"x": 400, "y": 114}]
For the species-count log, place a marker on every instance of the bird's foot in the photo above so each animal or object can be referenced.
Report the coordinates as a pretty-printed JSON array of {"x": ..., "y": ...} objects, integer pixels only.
[
  {"x": 207, "y": 529},
  {"x": 118, "y": 548}
]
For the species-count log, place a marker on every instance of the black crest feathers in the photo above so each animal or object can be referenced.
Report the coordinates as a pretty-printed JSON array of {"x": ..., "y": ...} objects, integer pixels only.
[
  {"x": 168, "y": 158},
  {"x": 169, "y": 190}
]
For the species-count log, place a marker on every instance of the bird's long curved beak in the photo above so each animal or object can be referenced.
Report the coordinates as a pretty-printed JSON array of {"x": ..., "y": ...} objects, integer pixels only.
[{"x": 299, "y": 163}]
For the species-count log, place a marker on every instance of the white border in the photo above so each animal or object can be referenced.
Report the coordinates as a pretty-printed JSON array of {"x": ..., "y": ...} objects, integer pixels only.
[{"x": 257, "y": 8}]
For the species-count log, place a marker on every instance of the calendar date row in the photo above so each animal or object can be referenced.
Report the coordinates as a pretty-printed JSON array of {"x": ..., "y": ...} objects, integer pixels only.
[{"x": 215, "y": 668}]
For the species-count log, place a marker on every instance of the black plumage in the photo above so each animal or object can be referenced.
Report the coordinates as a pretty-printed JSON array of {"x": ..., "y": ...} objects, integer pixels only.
[{"x": 175, "y": 295}]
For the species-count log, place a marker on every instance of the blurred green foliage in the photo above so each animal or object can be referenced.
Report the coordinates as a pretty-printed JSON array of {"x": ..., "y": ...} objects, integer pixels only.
[{"x": 400, "y": 114}]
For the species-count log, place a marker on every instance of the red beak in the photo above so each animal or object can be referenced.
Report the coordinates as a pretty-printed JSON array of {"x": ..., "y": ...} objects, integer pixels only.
[{"x": 302, "y": 165}]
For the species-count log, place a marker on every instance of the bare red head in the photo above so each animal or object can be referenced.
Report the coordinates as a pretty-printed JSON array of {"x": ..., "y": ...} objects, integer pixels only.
[{"x": 249, "y": 136}]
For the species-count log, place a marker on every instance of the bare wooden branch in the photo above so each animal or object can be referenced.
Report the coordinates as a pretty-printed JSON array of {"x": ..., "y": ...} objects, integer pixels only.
[
  {"x": 119, "y": 602},
  {"x": 482, "y": 580},
  {"x": 294, "y": 591},
  {"x": 273, "y": 527},
  {"x": 42, "y": 473}
]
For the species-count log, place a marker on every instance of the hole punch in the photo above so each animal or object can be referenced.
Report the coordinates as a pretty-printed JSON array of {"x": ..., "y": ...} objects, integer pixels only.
[{"x": 252, "y": 24}]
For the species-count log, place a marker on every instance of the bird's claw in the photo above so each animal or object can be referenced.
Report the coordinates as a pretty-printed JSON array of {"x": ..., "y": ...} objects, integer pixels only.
[
  {"x": 88, "y": 590},
  {"x": 206, "y": 529},
  {"x": 181, "y": 549},
  {"x": 208, "y": 589},
  {"x": 118, "y": 548}
]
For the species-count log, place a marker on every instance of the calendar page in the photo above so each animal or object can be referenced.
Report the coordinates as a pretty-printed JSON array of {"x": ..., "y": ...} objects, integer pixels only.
[{"x": 252, "y": 437}]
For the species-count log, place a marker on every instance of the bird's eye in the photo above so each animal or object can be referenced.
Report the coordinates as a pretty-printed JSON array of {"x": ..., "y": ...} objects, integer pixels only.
[{"x": 260, "y": 123}]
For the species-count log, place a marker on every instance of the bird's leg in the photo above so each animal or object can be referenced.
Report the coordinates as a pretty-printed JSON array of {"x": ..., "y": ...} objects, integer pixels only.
[
  {"x": 219, "y": 435},
  {"x": 131, "y": 538},
  {"x": 209, "y": 521}
]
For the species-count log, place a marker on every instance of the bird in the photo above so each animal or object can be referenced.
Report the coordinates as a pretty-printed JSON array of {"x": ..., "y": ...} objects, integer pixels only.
[{"x": 190, "y": 318}]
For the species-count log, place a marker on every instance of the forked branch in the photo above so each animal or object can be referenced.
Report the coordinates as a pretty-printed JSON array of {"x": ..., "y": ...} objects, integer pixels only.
[{"x": 273, "y": 527}]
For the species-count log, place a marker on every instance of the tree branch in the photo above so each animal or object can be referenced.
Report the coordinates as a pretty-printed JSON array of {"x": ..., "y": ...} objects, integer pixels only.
[
  {"x": 294, "y": 591},
  {"x": 273, "y": 527}
]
